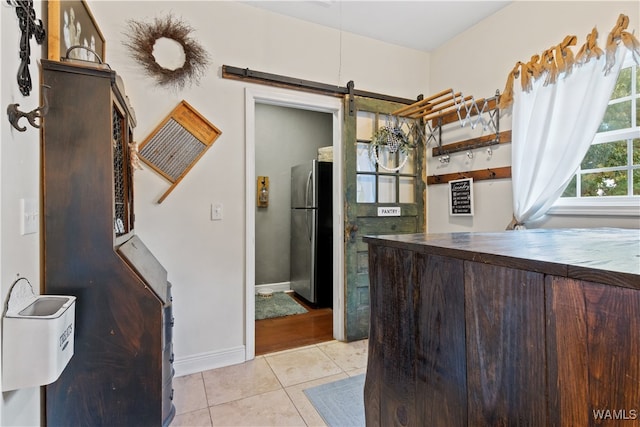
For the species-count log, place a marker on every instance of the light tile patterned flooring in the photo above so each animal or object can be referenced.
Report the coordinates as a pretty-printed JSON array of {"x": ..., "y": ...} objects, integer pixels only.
[{"x": 267, "y": 391}]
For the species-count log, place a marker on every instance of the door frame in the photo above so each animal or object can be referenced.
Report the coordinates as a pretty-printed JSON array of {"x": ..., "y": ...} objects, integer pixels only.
[{"x": 303, "y": 101}]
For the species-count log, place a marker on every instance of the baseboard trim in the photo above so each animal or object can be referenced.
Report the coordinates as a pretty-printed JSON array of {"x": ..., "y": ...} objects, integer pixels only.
[
  {"x": 206, "y": 361},
  {"x": 275, "y": 287}
]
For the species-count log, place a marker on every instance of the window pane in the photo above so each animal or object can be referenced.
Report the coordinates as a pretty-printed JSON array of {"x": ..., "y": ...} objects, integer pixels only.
[
  {"x": 364, "y": 125},
  {"x": 638, "y": 110},
  {"x": 408, "y": 191},
  {"x": 636, "y": 182},
  {"x": 617, "y": 116},
  {"x": 604, "y": 184},
  {"x": 385, "y": 120},
  {"x": 623, "y": 84},
  {"x": 408, "y": 167},
  {"x": 366, "y": 189},
  {"x": 386, "y": 158},
  {"x": 571, "y": 189},
  {"x": 407, "y": 127},
  {"x": 387, "y": 188},
  {"x": 363, "y": 160},
  {"x": 606, "y": 155},
  {"x": 636, "y": 151}
]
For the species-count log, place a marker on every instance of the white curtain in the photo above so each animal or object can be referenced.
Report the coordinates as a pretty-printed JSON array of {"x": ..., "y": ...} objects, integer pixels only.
[
  {"x": 556, "y": 113},
  {"x": 553, "y": 127}
]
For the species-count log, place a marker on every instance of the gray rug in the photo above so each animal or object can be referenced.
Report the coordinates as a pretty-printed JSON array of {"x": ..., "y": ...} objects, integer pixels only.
[
  {"x": 280, "y": 304},
  {"x": 340, "y": 403}
]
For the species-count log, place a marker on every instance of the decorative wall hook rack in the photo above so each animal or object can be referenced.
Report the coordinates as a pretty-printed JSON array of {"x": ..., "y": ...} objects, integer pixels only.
[
  {"x": 15, "y": 114},
  {"x": 503, "y": 137},
  {"x": 29, "y": 26},
  {"x": 477, "y": 175}
]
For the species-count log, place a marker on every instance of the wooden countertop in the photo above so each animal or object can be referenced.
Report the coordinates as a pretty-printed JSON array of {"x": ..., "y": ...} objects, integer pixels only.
[{"x": 607, "y": 255}]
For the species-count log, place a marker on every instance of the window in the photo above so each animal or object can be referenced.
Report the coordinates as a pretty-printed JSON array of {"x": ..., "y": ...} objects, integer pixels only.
[
  {"x": 609, "y": 174},
  {"x": 374, "y": 184}
]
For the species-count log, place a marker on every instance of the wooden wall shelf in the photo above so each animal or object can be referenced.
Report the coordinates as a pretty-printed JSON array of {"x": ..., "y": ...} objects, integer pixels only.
[
  {"x": 473, "y": 143},
  {"x": 477, "y": 175}
]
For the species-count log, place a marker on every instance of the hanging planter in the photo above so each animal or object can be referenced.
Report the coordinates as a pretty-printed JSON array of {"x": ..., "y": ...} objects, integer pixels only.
[{"x": 395, "y": 140}]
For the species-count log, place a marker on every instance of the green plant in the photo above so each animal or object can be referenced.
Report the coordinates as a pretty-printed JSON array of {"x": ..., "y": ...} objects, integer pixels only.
[{"x": 393, "y": 137}]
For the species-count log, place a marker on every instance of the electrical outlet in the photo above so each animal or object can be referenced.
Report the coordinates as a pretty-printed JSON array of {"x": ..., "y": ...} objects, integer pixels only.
[{"x": 216, "y": 212}]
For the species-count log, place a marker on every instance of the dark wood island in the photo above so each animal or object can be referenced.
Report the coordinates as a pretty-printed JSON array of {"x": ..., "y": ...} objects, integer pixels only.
[{"x": 522, "y": 328}]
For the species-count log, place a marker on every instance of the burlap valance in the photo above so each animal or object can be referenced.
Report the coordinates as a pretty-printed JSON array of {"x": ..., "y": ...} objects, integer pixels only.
[{"x": 560, "y": 58}]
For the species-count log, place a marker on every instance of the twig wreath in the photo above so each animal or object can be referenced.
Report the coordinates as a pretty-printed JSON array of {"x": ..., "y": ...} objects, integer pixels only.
[{"x": 142, "y": 39}]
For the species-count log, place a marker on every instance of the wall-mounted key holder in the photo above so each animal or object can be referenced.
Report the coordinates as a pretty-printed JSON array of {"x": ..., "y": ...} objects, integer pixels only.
[{"x": 263, "y": 191}]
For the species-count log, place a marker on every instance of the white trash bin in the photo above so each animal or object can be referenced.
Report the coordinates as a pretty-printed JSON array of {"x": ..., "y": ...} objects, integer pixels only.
[{"x": 37, "y": 337}]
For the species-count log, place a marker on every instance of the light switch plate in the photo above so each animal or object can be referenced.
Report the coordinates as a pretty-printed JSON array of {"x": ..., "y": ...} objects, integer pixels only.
[
  {"x": 29, "y": 216},
  {"x": 216, "y": 212}
]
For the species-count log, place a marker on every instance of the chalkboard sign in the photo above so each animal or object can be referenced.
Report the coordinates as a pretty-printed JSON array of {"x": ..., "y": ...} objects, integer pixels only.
[{"x": 461, "y": 197}]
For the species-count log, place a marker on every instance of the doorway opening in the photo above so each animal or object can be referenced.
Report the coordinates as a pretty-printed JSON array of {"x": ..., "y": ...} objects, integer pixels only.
[{"x": 256, "y": 97}]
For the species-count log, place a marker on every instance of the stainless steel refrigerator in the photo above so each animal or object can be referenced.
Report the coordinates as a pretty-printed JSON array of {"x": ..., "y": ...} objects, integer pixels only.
[{"x": 312, "y": 232}]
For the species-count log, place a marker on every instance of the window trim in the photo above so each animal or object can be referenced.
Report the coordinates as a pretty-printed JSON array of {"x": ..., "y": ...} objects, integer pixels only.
[{"x": 605, "y": 206}]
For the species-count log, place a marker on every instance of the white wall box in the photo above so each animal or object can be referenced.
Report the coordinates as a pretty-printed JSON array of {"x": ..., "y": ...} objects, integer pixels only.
[{"x": 37, "y": 337}]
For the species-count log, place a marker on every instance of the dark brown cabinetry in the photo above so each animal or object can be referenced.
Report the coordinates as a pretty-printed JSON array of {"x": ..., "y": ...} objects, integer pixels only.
[
  {"x": 523, "y": 328},
  {"x": 121, "y": 372}
]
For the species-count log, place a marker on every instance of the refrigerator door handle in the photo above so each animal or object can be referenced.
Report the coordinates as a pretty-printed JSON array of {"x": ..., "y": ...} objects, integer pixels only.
[
  {"x": 309, "y": 223},
  {"x": 306, "y": 194}
]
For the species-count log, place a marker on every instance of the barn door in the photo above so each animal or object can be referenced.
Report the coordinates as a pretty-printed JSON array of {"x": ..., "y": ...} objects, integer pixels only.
[{"x": 377, "y": 200}]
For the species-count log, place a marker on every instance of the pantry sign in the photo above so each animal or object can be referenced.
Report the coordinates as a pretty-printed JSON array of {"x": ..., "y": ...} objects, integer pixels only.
[{"x": 461, "y": 197}]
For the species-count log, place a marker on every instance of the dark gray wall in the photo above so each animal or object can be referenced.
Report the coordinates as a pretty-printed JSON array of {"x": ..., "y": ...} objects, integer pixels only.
[{"x": 284, "y": 137}]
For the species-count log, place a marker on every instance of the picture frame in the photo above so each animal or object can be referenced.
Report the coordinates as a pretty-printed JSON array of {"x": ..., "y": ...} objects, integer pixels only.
[
  {"x": 71, "y": 23},
  {"x": 461, "y": 197}
]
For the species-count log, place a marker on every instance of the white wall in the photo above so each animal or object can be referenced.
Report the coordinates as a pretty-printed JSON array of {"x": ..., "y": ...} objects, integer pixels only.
[
  {"x": 477, "y": 63},
  {"x": 205, "y": 259},
  {"x": 19, "y": 173}
]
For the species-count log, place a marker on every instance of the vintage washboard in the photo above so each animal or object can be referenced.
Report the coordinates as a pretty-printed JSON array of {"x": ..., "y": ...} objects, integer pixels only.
[{"x": 175, "y": 146}]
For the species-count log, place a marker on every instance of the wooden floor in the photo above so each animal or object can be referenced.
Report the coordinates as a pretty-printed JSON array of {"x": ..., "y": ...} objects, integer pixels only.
[{"x": 282, "y": 333}]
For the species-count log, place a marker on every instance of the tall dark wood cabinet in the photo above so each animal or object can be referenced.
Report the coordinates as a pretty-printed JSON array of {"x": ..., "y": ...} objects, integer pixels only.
[{"x": 121, "y": 372}]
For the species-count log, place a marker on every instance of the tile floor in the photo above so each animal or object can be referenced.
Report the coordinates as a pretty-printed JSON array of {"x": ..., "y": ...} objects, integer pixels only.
[{"x": 267, "y": 391}]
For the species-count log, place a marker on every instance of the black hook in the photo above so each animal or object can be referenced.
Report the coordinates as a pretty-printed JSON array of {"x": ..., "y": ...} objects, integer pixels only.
[{"x": 15, "y": 115}]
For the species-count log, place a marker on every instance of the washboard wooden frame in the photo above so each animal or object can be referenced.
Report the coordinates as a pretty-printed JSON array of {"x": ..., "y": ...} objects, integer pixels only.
[{"x": 177, "y": 143}]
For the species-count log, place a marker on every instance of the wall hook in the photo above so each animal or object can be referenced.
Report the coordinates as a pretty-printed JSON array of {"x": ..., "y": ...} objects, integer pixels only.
[
  {"x": 15, "y": 115},
  {"x": 492, "y": 174}
]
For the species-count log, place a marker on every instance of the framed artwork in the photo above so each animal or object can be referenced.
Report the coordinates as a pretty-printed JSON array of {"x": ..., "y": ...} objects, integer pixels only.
[
  {"x": 461, "y": 197},
  {"x": 71, "y": 23}
]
